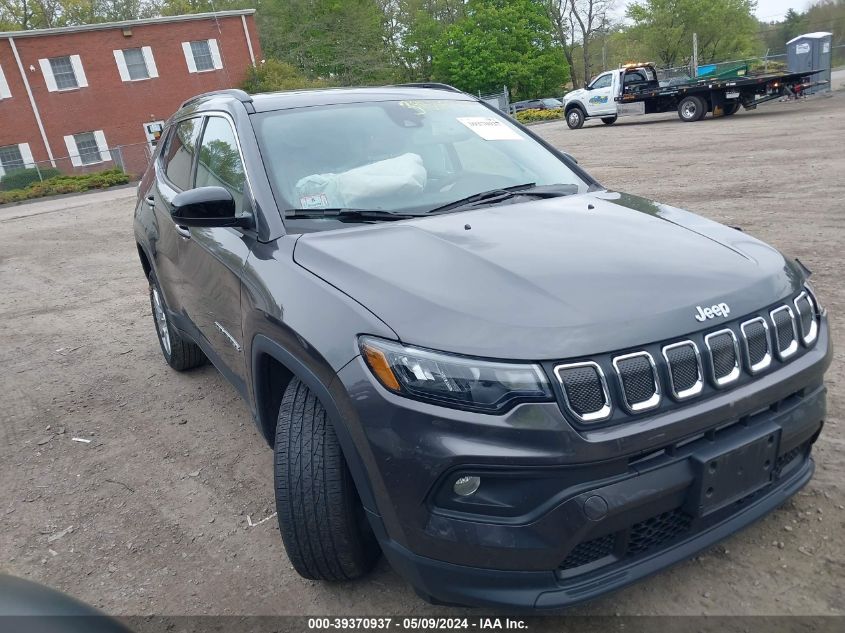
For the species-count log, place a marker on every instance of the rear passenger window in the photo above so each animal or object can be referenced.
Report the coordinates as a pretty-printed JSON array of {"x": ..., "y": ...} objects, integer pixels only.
[
  {"x": 220, "y": 160},
  {"x": 179, "y": 155}
]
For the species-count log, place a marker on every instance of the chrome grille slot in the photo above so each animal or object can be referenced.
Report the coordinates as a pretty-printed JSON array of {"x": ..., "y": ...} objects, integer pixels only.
[
  {"x": 785, "y": 336},
  {"x": 724, "y": 356},
  {"x": 756, "y": 344},
  {"x": 685, "y": 377},
  {"x": 805, "y": 309},
  {"x": 638, "y": 379},
  {"x": 585, "y": 390}
]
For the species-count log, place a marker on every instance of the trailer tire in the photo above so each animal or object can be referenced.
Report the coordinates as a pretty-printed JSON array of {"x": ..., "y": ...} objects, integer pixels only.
[
  {"x": 730, "y": 108},
  {"x": 608, "y": 120},
  {"x": 691, "y": 109},
  {"x": 575, "y": 118}
]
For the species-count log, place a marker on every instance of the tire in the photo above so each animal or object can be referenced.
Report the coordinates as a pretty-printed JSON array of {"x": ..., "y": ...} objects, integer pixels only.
[
  {"x": 575, "y": 118},
  {"x": 692, "y": 109},
  {"x": 179, "y": 352},
  {"x": 608, "y": 120},
  {"x": 322, "y": 521},
  {"x": 730, "y": 109}
]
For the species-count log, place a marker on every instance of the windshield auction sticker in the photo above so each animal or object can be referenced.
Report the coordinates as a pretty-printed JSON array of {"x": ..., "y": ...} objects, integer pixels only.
[{"x": 490, "y": 129}]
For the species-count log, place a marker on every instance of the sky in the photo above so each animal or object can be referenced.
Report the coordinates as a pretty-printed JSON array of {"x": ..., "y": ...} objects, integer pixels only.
[{"x": 767, "y": 10}]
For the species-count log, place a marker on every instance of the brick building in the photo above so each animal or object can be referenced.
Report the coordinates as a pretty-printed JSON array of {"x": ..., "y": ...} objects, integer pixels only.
[{"x": 94, "y": 96}]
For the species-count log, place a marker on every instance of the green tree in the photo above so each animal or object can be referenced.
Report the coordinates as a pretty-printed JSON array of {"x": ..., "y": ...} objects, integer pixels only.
[
  {"x": 726, "y": 29},
  {"x": 342, "y": 41},
  {"x": 272, "y": 75},
  {"x": 502, "y": 43},
  {"x": 417, "y": 27}
]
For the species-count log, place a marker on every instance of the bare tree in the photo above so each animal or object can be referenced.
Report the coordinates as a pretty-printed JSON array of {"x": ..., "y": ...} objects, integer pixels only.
[{"x": 578, "y": 22}]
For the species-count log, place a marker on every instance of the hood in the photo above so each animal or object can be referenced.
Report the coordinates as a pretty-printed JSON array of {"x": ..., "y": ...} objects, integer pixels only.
[
  {"x": 549, "y": 279},
  {"x": 575, "y": 94}
]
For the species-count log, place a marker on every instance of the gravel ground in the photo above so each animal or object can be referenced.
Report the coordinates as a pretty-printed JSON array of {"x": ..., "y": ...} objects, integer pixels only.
[{"x": 153, "y": 514}]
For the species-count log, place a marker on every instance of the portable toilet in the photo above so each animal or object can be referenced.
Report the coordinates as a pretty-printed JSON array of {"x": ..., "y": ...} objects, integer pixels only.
[{"x": 810, "y": 51}]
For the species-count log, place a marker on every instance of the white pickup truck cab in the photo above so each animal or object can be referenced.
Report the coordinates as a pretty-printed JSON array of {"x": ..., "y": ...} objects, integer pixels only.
[{"x": 598, "y": 99}]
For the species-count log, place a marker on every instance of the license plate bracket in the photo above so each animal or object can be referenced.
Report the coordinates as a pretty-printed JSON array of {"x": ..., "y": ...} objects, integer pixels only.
[{"x": 729, "y": 473}]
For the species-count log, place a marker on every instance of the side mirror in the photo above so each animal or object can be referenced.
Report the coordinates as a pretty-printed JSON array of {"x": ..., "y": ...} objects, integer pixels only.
[{"x": 206, "y": 206}]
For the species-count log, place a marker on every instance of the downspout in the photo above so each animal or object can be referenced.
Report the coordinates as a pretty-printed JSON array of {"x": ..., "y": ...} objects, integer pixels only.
[
  {"x": 248, "y": 40},
  {"x": 32, "y": 102}
]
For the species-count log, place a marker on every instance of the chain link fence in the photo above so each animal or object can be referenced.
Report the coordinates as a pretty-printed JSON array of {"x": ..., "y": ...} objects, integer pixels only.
[{"x": 500, "y": 100}]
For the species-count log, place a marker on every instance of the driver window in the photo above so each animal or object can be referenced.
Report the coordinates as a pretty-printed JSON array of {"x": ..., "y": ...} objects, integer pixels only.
[
  {"x": 179, "y": 155},
  {"x": 603, "y": 81},
  {"x": 220, "y": 160}
]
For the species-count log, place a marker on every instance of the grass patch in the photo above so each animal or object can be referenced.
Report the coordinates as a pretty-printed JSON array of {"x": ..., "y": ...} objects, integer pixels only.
[
  {"x": 66, "y": 184},
  {"x": 530, "y": 116}
]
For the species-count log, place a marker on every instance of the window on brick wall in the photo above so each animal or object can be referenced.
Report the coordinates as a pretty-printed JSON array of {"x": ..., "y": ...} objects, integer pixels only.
[
  {"x": 86, "y": 145},
  {"x": 14, "y": 157},
  {"x": 87, "y": 148},
  {"x": 63, "y": 73},
  {"x": 5, "y": 93},
  {"x": 202, "y": 55},
  {"x": 135, "y": 63},
  {"x": 11, "y": 158}
]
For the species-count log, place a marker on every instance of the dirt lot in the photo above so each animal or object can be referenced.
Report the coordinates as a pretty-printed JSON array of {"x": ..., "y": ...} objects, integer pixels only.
[{"x": 161, "y": 499}]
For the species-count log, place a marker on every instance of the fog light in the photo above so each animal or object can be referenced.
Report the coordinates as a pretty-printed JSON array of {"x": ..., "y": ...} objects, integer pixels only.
[{"x": 466, "y": 485}]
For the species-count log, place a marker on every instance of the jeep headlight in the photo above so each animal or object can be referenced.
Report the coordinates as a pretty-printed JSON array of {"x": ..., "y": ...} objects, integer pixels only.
[{"x": 453, "y": 381}]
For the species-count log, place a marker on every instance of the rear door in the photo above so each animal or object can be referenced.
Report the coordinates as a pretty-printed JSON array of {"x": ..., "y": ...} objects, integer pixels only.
[
  {"x": 211, "y": 258},
  {"x": 599, "y": 99}
]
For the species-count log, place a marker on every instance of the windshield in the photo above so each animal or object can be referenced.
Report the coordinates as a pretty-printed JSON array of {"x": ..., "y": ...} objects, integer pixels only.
[{"x": 399, "y": 156}]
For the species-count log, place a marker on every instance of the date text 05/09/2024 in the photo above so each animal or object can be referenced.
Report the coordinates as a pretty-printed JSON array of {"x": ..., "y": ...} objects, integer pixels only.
[{"x": 416, "y": 623}]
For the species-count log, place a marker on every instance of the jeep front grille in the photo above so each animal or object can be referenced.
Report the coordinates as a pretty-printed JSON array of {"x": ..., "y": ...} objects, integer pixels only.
[
  {"x": 786, "y": 340},
  {"x": 755, "y": 341},
  {"x": 585, "y": 390},
  {"x": 695, "y": 366},
  {"x": 685, "y": 377},
  {"x": 724, "y": 356},
  {"x": 638, "y": 381},
  {"x": 806, "y": 311}
]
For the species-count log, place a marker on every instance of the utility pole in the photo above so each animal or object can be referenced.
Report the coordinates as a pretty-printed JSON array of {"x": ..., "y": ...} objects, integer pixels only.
[{"x": 695, "y": 55}]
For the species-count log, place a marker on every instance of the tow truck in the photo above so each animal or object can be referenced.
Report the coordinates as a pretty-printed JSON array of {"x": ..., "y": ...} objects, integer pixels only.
[{"x": 634, "y": 89}]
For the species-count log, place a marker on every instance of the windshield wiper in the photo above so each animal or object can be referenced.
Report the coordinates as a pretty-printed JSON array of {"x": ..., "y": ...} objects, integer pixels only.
[
  {"x": 505, "y": 193},
  {"x": 349, "y": 215}
]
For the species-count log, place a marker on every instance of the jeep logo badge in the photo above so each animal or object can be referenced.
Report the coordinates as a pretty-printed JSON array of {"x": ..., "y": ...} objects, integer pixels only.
[{"x": 716, "y": 310}]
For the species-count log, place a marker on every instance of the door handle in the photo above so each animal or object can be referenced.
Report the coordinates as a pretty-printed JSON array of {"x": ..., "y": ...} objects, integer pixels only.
[
  {"x": 151, "y": 201},
  {"x": 184, "y": 231}
]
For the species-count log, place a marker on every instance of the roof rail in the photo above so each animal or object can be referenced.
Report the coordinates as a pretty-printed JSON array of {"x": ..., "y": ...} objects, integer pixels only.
[
  {"x": 434, "y": 85},
  {"x": 238, "y": 94}
]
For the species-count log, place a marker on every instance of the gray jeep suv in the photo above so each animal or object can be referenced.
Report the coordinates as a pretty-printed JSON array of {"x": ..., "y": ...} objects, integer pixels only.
[{"x": 523, "y": 388}]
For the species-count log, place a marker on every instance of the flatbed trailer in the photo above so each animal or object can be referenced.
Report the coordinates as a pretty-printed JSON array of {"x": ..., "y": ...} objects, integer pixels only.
[{"x": 635, "y": 89}]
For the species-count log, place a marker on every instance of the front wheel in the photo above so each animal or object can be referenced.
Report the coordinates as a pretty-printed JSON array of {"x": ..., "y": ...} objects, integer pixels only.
[
  {"x": 575, "y": 118},
  {"x": 179, "y": 352},
  {"x": 321, "y": 518},
  {"x": 608, "y": 120},
  {"x": 691, "y": 109}
]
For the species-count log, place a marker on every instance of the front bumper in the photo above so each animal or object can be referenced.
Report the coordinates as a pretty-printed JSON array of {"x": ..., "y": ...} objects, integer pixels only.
[{"x": 573, "y": 515}]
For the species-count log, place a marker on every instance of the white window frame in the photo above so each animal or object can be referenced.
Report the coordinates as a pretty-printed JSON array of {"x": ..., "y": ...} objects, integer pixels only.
[
  {"x": 73, "y": 152},
  {"x": 5, "y": 93},
  {"x": 50, "y": 80},
  {"x": 149, "y": 60},
  {"x": 213, "y": 48},
  {"x": 26, "y": 157}
]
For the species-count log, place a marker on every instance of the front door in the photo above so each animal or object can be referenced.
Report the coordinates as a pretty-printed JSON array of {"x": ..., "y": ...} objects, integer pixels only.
[
  {"x": 599, "y": 99},
  {"x": 211, "y": 259}
]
